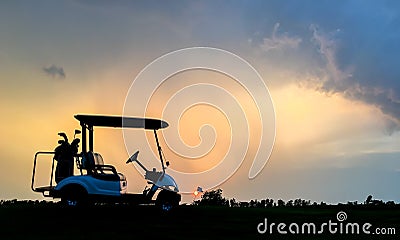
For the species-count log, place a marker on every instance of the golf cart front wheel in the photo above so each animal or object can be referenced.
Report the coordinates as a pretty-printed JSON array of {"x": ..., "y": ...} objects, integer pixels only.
[
  {"x": 74, "y": 196},
  {"x": 167, "y": 200}
]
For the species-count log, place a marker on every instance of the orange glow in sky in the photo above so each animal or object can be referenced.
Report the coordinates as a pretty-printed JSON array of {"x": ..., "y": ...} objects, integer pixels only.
[{"x": 333, "y": 81}]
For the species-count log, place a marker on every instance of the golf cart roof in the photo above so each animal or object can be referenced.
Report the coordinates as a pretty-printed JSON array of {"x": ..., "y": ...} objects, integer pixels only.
[{"x": 121, "y": 121}]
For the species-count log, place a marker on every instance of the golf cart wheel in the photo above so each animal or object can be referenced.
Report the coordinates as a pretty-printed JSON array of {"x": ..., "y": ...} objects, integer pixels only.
[
  {"x": 74, "y": 196},
  {"x": 167, "y": 200}
]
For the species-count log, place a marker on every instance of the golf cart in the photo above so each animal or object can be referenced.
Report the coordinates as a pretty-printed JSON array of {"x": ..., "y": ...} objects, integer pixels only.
[{"x": 101, "y": 183}]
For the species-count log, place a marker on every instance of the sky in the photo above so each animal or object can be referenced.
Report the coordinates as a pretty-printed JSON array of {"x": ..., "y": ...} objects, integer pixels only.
[{"x": 331, "y": 69}]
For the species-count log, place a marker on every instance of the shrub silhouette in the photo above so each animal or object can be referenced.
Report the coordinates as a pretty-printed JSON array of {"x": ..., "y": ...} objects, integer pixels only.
[{"x": 213, "y": 198}]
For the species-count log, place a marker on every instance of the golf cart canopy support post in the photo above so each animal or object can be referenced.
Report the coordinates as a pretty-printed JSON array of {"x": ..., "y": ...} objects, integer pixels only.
[
  {"x": 87, "y": 122},
  {"x": 159, "y": 150},
  {"x": 83, "y": 136}
]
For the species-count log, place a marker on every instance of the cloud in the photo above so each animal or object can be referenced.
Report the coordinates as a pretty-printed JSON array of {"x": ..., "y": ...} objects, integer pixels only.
[
  {"x": 331, "y": 79},
  {"x": 351, "y": 48},
  {"x": 279, "y": 41},
  {"x": 54, "y": 71},
  {"x": 327, "y": 48}
]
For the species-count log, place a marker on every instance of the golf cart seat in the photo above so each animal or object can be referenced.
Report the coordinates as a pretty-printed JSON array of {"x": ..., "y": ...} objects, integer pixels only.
[{"x": 94, "y": 165}]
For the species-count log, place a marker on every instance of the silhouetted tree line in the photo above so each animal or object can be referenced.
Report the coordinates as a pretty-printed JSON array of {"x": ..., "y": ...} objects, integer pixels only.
[
  {"x": 215, "y": 198},
  {"x": 14, "y": 202}
]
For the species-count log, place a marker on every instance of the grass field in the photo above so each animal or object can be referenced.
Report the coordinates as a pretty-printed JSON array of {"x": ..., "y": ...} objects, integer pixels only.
[{"x": 52, "y": 221}]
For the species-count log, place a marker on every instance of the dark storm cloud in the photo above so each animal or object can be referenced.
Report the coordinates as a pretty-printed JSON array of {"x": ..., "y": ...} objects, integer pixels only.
[
  {"x": 352, "y": 47},
  {"x": 54, "y": 71},
  {"x": 379, "y": 88}
]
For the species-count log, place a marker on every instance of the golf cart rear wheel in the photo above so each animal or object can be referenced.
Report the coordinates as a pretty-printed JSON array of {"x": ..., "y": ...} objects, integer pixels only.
[
  {"x": 74, "y": 196},
  {"x": 167, "y": 200}
]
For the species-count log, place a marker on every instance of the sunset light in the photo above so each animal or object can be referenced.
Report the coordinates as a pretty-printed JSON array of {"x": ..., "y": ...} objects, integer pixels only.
[
  {"x": 211, "y": 119},
  {"x": 329, "y": 68}
]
